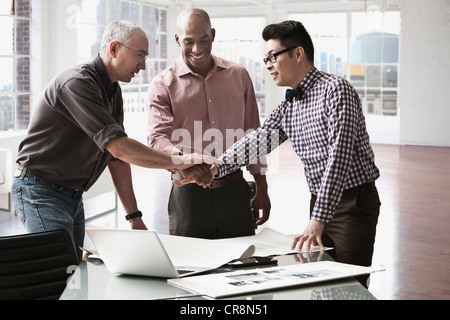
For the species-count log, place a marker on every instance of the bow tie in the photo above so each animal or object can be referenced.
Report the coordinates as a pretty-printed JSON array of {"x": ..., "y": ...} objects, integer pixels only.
[{"x": 290, "y": 94}]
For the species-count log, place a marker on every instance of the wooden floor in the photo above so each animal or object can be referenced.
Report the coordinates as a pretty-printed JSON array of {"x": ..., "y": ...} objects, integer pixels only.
[{"x": 413, "y": 238}]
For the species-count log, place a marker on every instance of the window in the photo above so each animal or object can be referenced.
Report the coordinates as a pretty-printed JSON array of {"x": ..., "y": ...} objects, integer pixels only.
[
  {"x": 330, "y": 44},
  {"x": 363, "y": 47},
  {"x": 14, "y": 65},
  {"x": 89, "y": 18},
  {"x": 94, "y": 17},
  {"x": 239, "y": 40},
  {"x": 374, "y": 51}
]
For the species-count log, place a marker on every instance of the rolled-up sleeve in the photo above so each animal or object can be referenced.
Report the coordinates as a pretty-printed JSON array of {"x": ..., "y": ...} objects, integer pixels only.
[
  {"x": 80, "y": 102},
  {"x": 104, "y": 136}
]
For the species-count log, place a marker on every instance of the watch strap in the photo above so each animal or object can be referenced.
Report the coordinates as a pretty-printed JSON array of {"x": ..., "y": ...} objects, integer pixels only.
[{"x": 133, "y": 215}]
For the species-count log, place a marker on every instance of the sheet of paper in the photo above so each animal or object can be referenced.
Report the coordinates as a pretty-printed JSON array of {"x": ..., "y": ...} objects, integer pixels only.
[
  {"x": 204, "y": 253},
  {"x": 186, "y": 251},
  {"x": 247, "y": 281}
]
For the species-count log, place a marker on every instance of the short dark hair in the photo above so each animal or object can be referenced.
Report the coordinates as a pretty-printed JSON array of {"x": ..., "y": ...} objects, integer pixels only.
[{"x": 290, "y": 33}]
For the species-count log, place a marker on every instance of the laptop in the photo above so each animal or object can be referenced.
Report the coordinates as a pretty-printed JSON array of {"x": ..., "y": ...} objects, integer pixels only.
[{"x": 137, "y": 252}]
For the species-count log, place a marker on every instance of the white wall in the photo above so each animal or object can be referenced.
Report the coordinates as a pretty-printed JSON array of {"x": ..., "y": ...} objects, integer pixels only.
[
  {"x": 424, "y": 75},
  {"x": 173, "y": 50},
  {"x": 54, "y": 41}
]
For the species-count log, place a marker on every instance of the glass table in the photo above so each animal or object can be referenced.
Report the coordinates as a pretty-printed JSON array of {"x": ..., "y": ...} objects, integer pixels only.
[{"x": 91, "y": 280}]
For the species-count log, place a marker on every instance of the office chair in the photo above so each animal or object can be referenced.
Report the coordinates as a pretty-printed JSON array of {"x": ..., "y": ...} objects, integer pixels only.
[{"x": 35, "y": 266}]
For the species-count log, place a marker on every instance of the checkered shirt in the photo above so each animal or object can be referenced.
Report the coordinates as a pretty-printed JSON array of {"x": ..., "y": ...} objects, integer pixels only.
[{"x": 327, "y": 131}]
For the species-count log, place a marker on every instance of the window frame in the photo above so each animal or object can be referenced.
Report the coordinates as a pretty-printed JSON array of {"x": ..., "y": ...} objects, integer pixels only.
[
  {"x": 380, "y": 103},
  {"x": 21, "y": 79},
  {"x": 135, "y": 93}
]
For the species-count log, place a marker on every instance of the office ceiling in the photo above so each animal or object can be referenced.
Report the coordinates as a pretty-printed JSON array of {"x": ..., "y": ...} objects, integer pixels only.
[
  {"x": 241, "y": 3},
  {"x": 288, "y": 5}
]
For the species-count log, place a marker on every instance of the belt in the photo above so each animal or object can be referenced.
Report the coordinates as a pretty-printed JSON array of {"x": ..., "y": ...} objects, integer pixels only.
[
  {"x": 361, "y": 186},
  {"x": 21, "y": 168},
  {"x": 217, "y": 183}
]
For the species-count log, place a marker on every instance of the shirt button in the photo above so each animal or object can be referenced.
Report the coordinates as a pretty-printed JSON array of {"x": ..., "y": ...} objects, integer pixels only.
[
  {"x": 213, "y": 122},
  {"x": 209, "y": 100}
]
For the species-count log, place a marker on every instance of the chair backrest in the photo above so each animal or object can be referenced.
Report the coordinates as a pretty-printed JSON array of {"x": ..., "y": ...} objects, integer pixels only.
[{"x": 35, "y": 266}]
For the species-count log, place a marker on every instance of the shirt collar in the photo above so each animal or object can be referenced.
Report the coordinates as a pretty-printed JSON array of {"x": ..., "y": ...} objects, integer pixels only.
[
  {"x": 309, "y": 80},
  {"x": 184, "y": 69},
  {"x": 110, "y": 87}
]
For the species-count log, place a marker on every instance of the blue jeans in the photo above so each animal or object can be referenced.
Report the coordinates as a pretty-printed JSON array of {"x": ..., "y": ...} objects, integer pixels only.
[{"x": 43, "y": 206}]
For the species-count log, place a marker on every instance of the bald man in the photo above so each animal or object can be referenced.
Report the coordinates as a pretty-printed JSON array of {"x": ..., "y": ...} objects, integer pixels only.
[{"x": 204, "y": 104}]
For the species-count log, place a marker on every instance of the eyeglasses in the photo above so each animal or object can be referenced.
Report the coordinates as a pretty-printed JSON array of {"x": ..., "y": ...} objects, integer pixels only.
[
  {"x": 141, "y": 57},
  {"x": 273, "y": 56}
]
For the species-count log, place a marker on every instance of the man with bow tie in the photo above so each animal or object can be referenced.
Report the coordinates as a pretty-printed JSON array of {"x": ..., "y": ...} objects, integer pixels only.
[{"x": 323, "y": 119}]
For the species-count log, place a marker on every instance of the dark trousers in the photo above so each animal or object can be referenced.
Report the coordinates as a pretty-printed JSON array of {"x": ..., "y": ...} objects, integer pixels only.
[
  {"x": 351, "y": 231},
  {"x": 217, "y": 213}
]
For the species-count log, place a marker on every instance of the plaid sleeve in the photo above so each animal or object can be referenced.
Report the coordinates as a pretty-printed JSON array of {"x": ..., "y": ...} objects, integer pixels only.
[{"x": 254, "y": 145}]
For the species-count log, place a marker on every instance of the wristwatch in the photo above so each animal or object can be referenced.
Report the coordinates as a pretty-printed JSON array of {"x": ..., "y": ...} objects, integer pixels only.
[{"x": 133, "y": 215}]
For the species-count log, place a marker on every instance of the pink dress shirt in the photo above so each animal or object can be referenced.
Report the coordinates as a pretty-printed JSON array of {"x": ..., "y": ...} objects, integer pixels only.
[{"x": 191, "y": 113}]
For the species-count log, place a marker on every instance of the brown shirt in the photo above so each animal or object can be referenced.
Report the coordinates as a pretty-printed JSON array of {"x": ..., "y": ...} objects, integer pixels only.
[{"x": 80, "y": 111}]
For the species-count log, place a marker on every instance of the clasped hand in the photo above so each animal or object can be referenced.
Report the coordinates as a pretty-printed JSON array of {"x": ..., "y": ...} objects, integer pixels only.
[
  {"x": 196, "y": 168},
  {"x": 199, "y": 173}
]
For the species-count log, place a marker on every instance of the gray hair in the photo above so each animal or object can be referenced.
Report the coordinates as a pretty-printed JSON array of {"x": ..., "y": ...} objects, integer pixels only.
[{"x": 120, "y": 31}]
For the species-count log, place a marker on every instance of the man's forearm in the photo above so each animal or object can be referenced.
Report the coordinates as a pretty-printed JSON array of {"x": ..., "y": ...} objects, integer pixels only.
[
  {"x": 121, "y": 175},
  {"x": 134, "y": 152}
]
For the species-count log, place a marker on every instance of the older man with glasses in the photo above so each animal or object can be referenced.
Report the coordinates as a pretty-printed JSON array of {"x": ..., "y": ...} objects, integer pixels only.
[{"x": 76, "y": 131}]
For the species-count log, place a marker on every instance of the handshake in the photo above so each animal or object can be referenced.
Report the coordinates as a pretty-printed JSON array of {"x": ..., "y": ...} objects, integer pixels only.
[{"x": 195, "y": 168}]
